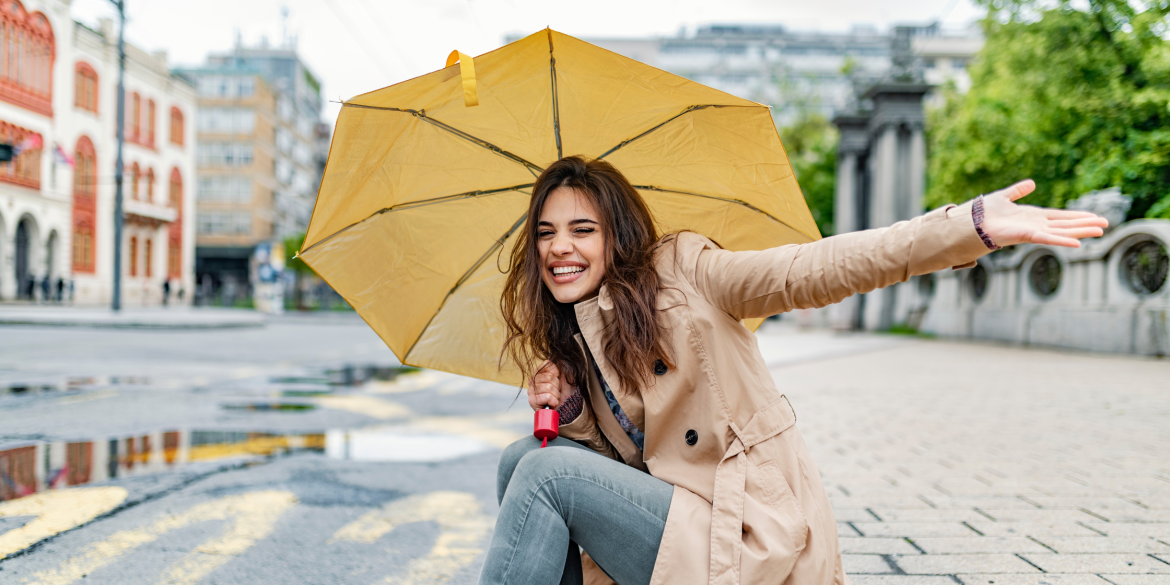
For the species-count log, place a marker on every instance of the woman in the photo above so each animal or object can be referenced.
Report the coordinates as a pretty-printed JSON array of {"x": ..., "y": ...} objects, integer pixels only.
[{"x": 678, "y": 460}]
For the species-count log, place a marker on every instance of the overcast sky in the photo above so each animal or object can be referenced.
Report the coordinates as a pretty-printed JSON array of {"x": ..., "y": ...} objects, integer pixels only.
[{"x": 355, "y": 46}]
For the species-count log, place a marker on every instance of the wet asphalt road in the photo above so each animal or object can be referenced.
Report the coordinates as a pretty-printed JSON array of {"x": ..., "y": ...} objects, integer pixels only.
[{"x": 293, "y": 453}]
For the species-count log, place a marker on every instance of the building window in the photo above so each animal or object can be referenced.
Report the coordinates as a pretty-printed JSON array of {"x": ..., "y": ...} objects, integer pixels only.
[
  {"x": 150, "y": 123},
  {"x": 135, "y": 118},
  {"x": 228, "y": 154},
  {"x": 85, "y": 82},
  {"x": 225, "y": 189},
  {"x": 226, "y": 120},
  {"x": 135, "y": 174},
  {"x": 84, "y": 205},
  {"x": 27, "y": 51},
  {"x": 25, "y": 166},
  {"x": 150, "y": 185},
  {"x": 225, "y": 223},
  {"x": 133, "y": 256},
  {"x": 176, "y": 127},
  {"x": 175, "y": 229},
  {"x": 147, "y": 250}
]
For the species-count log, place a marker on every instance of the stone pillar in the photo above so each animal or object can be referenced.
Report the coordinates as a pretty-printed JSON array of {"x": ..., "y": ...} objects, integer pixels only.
[
  {"x": 850, "y": 201},
  {"x": 917, "y": 178}
]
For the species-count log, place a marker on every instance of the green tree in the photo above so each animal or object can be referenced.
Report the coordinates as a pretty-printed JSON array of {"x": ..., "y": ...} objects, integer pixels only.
[
  {"x": 292, "y": 245},
  {"x": 1074, "y": 97},
  {"x": 811, "y": 144}
]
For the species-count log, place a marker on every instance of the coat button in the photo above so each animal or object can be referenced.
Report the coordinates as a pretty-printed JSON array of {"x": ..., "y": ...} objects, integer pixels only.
[
  {"x": 692, "y": 437},
  {"x": 659, "y": 368}
]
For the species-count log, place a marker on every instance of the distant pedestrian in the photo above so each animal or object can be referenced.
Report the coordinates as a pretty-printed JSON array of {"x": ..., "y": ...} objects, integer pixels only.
[
  {"x": 166, "y": 291},
  {"x": 45, "y": 287},
  {"x": 60, "y": 289}
]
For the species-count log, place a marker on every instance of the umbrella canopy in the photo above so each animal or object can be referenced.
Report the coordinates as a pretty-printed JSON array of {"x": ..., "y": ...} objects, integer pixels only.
[{"x": 429, "y": 180}]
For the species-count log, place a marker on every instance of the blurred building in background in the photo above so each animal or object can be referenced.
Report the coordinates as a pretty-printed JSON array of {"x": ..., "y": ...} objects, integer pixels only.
[
  {"x": 799, "y": 71},
  {"x": 258, "y": 165},
  {"x": 58, "y": 110}
]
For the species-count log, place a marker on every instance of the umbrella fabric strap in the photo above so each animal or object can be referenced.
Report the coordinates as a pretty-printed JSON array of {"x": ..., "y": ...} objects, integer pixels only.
[
  {"x": 731, "y": 485},
  {"x": 467, "y": 72}
]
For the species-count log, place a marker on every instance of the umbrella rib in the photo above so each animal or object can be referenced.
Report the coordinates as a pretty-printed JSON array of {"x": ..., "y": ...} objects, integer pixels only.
[
  {"x": 499, "y": 243},
  {"x": 417, "y": 204},
  {"x": 422, "y": 115},
  {"x": 688, "y": 110},
  {"x": 726, "y": 200},
  {"x": 552, "y": 66}
]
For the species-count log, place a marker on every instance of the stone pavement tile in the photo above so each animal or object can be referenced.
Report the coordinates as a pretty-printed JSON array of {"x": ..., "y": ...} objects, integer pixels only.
[
  {"x": 877, "y": 545},
  {"x": 859, "y": 499},
  {"x": 1153, "y": 502},
  {"x": 871, "y": 564},
  {"x": 1090, "y": 503},
  {"x": 855, "y": 515},
  {"x": 1090, "y": 563},
  {"x": 984, "y": 502},
  {"x": 979, "y": 544},
  {"x": 903, "y": 580},
  {"x": 1037, "y": 529},
  {"x": 1041, "y": 579},
  {"x": 1159, "y": 530},
  {"x": 1104, "y": 544},
  {"x": 1042, "y": 516},
  {"x": 913, "y": 529},
  {"x": 1138, "y": 579},
  {"x": 929, "y": 515},
  {"x": 973, "y": 563},
  {"x": 1139, "y": 516}
]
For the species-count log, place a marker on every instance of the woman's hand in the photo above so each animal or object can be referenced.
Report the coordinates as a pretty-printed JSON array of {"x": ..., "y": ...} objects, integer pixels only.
[
  {"x": 548, "y": 387},
  {"x": 1008, "y": 224}
]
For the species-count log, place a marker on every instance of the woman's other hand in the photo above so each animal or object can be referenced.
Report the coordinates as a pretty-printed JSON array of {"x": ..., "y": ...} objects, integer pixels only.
[
  {"x": 1007, "y": 223},
  {"x": 548, "y": 387}
]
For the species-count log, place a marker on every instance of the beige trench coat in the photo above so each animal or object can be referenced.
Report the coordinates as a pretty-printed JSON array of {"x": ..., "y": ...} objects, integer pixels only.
[{"x": 748, "y": 504}]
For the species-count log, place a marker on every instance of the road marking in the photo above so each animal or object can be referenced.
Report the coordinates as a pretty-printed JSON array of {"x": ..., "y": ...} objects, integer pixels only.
[
  {"x": 367, "y": 405},
  {"x": 254, "y": 514},
  {"x": 86, "y": 397},
  {"x": 462, "y": 528},
  {"x": 56, "y": 511}
]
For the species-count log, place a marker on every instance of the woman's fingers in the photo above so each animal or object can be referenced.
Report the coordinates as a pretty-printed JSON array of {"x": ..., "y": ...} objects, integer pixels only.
[
  {"x": 1078, "y": 233},
  {"x": 1097, "y": 222},
  {"x": 1067, "y": 214},
  {"x": 1019, "y": 190},
  {"x": 1049, "y": 239}
]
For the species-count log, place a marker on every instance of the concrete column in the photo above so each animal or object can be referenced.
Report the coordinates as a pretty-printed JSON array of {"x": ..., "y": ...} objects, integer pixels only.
[
  {"x": 883, "y": 169},
  {"x": 845, "y": 202},
  {"x": 917, "y": 178}
]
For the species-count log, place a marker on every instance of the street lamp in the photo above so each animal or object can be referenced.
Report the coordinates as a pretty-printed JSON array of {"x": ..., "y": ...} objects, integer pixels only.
[{"x": 118, "y": 216}]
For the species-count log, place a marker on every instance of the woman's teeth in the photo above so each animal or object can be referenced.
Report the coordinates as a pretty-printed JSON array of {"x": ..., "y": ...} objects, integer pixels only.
[{"x": 568, "y": 270}]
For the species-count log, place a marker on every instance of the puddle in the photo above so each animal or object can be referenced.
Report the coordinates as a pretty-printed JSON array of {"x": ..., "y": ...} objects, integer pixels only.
[
  {"x": 73, "y": 383},
  {"x": 347, "y": 375},
  {"x": 37, "y": 466},
  {"x": 401, "y": 446},
  {"x": 270, "y": 406}
]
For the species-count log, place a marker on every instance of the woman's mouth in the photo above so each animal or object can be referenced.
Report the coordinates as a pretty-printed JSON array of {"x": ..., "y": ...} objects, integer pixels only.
[{"x": 567, "y": 274}]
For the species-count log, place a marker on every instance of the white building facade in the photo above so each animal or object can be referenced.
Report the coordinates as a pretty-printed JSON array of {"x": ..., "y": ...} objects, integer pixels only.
[{"x": 58, "y": 105}]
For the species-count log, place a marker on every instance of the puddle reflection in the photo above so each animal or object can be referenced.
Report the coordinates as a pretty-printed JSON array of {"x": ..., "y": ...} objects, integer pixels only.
[
  {"x": 38, "y": 466},
  {"x": 28, "y": 469},
  {"x": 73, "y": 383}
]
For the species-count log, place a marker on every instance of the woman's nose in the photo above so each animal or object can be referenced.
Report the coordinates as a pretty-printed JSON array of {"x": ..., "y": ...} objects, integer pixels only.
[{"x": 562, "y": 245}]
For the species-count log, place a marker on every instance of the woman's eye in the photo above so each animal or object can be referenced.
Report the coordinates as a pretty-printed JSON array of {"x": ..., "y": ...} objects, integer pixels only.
[
  {"x": 583, "y": 231},
  {"x": 544, "y": 233}
]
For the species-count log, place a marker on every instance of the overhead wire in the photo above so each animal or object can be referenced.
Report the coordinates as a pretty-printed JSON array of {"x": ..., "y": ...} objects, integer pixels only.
[{"x": 361, "y": 40}]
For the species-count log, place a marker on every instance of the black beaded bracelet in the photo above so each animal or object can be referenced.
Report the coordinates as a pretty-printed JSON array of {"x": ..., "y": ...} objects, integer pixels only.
[{"x": 977, "y": 218}]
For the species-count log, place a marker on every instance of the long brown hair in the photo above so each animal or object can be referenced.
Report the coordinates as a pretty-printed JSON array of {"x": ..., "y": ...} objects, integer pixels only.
[{"x": 540, "y": 328}]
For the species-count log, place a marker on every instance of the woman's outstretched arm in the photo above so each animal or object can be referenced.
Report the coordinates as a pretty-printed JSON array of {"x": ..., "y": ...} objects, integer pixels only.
[{"x": 767, "y": 282}]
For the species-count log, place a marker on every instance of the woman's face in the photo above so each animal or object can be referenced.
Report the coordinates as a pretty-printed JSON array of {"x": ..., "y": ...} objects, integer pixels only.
[{"x": 572, "y": 246}]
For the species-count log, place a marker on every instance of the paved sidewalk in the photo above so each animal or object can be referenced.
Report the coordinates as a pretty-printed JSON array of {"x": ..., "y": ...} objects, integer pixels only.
[
  {"x": 976, "y": 464},
  {"x": 136, "y": 318}
]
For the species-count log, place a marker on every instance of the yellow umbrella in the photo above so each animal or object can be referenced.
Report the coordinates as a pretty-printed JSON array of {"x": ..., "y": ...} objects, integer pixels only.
[{"x": 429, "y": 180}]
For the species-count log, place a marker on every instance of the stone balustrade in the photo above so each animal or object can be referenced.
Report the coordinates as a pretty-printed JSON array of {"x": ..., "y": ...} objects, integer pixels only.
[{"x": 1111, "y": 294}]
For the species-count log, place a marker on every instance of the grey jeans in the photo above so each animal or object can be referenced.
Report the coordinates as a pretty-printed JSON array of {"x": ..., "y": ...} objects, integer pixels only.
[{"x": 554, "y": 499}]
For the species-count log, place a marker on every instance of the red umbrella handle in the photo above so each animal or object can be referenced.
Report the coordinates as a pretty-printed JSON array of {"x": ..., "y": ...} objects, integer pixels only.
[{"x": 545, "y": 424}]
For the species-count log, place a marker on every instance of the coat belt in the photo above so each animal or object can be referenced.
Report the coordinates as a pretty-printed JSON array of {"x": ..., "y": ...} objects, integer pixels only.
[{"x": 731, "y": 486}]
